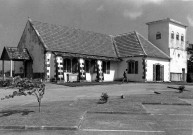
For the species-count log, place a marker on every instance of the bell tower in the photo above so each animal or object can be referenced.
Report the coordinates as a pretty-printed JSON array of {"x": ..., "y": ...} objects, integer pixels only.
[{"x": 170, "y": 36}]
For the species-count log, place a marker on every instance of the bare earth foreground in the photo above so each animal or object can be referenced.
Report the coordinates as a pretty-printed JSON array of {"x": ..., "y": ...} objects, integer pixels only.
[{"x": 75, "y": 111}]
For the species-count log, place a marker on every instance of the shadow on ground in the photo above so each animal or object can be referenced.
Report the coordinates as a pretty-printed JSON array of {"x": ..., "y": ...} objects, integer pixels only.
[{"x": 6, "y": 113}]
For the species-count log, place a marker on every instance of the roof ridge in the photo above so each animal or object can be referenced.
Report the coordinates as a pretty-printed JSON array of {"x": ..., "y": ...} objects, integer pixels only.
[
  {"x": 114, "y": 45},
  {"x": 38, "y": 34},
  {"x": 70, "y": 27},
  {"x": 124, "y": 34},
  {"x": 140, "y": 42},
  {"x": 154, "y": 45}
]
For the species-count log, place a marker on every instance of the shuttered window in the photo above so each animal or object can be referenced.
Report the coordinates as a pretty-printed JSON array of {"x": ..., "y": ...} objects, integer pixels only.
[
  {"x": 106, "y": 67},
  {"x": 132, "y": 67}
]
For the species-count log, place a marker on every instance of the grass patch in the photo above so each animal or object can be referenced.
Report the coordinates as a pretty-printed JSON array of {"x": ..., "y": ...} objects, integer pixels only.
[
  {"x": 119, "y": 106},
  {"x": 156, "y": 99},
  {"x": 66, "y": 113},
  {"x": 69, "y": 113},
  {"x": 185, "y": 94}
]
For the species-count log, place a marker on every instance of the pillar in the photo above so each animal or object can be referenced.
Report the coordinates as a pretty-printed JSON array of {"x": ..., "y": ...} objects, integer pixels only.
[
  {"x": 3, "y": 71},
  {"x": 11, "y": 64},
  {"x": 100, "y": 71},
  {"x": 82, "y": 74}
]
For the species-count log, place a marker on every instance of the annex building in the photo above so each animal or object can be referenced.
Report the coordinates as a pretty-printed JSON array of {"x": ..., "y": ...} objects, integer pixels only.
[{"x": 55, "y": 52}]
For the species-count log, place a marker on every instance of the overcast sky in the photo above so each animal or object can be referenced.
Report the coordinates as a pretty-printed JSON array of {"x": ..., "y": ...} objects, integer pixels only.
[{"x": 104, "y": 16}]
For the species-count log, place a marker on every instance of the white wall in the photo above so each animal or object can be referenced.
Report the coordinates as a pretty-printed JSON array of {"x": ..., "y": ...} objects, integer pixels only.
[
  {"x": 113, "y": 72},
  {"x": 149, "y": 67},
  {"x": 173, "y": 43},
  {"x": 178, "y": 51},
  {"x": 178, "y": 61},
  {"x": 122, "y": 66}
]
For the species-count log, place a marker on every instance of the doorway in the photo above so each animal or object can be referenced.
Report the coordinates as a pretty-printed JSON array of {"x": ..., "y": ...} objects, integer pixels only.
[
  {"x": 28, "y": 71},
  {"x": 183, "y": 74},
  {"x": 158, "y": 73}
]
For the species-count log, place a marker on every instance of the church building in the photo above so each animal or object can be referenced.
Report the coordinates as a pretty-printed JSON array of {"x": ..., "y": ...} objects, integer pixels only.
[{"x": 64, "y": 54}]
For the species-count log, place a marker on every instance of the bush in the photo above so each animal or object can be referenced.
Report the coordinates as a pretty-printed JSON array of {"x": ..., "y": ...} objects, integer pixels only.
[
  {"x": 181, "y": 88},
  {"x": 104, "y": 97},
  {"x": 5, "y": 83}
]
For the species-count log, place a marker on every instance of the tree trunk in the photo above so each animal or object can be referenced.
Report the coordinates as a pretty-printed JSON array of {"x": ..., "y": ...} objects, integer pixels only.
[{"x": 39, "y": 105}]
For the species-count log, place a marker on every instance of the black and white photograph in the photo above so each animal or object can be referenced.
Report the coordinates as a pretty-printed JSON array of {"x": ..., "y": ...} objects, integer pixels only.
[{"x": 96, "y": 67}]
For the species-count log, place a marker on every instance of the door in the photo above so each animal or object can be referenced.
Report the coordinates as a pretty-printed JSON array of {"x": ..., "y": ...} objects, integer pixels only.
[
  {"x": 183, "y": 74},
  {"x": 158, "y": 72},
  {"x": 28, "y": 69}
]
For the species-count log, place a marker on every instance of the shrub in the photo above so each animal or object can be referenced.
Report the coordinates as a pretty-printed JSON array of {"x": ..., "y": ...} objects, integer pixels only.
[
  {"x": 5, "y": 83},
  {"x": 104, "y": 97},
  {"x": 26, "y": 87},
  {"x": 181, "y": 88}
]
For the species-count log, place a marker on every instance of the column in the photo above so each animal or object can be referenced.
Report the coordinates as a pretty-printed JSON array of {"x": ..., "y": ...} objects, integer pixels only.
[
  {"x": 3, "y": 71},
  {"x": 100, "y": 71},
  {"x": 48, "y": 68},
  {"x": 82, "y": 73},
  {"x": 59, "y": 68},
  {"x": 11, "y": 63}
]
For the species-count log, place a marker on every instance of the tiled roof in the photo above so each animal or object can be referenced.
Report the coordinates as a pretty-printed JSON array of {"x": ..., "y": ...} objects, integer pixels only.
[
  {"x": 133, "y": 44},
  {"x": 65, "y": 39},
  {"x": 128, "y": 45},
  {"x": 150, "y": 49},
  {"x": 13, "y": 53}
]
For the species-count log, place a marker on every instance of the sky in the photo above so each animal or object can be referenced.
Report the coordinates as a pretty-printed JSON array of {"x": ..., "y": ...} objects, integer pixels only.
[{"x": 104, "y": 16}]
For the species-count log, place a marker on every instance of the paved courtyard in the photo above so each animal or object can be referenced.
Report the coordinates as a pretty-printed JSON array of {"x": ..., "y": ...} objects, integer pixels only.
[{"x": 166, "y": 119}]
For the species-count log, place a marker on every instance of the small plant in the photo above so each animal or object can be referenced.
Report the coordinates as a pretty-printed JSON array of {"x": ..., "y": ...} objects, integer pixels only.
[
  {"x": 104, "y": 97},
  {"x": 27, "y": 87},
  {"x": 181, "y": 88}
]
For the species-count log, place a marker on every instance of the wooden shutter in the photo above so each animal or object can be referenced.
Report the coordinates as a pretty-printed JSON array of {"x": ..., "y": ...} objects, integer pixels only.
[
  {"x": 136, "y": 67},
  {"x": 154, "y": 72},
  {"x": 64, "y": 65},
  {"x": 162, "y": 72},
  {"x": 108, "y": 67}
]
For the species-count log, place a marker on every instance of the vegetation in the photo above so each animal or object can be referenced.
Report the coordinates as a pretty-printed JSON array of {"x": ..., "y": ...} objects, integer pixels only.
[
  {"x": 181, "y": 88},
  {"x": 104, "y": 97},
  {"x": 27, "y": 87}
]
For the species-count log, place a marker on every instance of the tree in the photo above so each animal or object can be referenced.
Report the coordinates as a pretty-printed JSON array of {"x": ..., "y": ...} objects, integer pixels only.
[{"x": 27, "y": 87}]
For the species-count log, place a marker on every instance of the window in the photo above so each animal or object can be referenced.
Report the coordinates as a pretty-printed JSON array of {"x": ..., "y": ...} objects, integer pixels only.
[
  {"x": 67, "y": 65},
  {"x": 177, "y": 36},
  {"x": 172, "y": 35},
  {"x": 132, "y": 67},
  {"x": 106, "y": 67},
  {"x": 93, "y": 67},
  {"x": 182, "y": 38},
  {"x": 87, "y": 66},
  {"x": 158, "y": 35}
]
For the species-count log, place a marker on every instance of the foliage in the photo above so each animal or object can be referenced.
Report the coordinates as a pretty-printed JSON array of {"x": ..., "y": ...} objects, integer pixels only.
[
  {"x": 181, "y": 88},
  {"x": 5, "y": 83},
  {"x": 27, "y": 87},
  {"x": 104, "y": 97}
]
